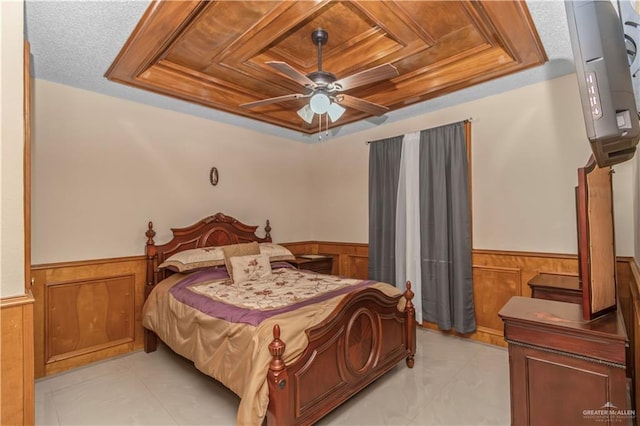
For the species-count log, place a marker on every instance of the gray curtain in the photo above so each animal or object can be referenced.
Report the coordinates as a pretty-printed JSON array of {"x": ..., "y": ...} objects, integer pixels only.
[
  {"x": 384, "y": 171},
  {"x": 445, "y": 225}
]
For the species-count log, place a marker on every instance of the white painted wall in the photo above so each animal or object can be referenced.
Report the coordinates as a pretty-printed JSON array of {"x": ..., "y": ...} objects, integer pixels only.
[
  {"x": 103, "y": 167},
  {"x": 527, "y": 145},
  {"x": 623, "y": 208},
  {"x": 12, "y": 143}
]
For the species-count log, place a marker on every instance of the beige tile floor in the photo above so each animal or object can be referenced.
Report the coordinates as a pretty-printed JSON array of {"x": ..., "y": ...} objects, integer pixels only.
[{"x": 454, "y": 382}]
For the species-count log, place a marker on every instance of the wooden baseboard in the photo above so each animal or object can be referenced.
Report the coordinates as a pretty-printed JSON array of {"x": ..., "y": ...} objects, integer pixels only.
[{"x": 16, "y": 361}]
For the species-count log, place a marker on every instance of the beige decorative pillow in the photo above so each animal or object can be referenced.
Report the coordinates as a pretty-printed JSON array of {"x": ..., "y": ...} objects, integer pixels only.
[
  {"x": 252, "y": 267},
  {"x": 189, "y": 260},
  {"x": 276, "y": 252},
  {"x": 236, "y": 250}
]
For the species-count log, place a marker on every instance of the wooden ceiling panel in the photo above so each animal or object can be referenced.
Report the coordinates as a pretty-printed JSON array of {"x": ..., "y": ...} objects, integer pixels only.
[
  {"x": 296, "y": 45},
  {"x": 212, "y": 30},
  {"x": 437, "y": 18},
  {"x": 464, "y": 42},
  {"x": 214, "y": 52}
]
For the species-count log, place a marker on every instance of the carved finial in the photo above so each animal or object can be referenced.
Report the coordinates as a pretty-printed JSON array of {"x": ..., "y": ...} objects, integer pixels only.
[
  {"x": 267, "y": 229},
  {"x": 408, "y": 294},
  {"x": 276, "y": 349},
  {"x": 276, "y": 331},
  {"x": 150, "y": 234}
]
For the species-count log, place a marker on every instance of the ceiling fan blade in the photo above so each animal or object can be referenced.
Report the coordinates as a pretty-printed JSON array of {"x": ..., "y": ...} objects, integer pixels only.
[
  {"x": 362, "y": 105},
  {"x": 292, "y": 73},
  {"x": 272, "y": 100},
  {"x": 381, "y": 72}
]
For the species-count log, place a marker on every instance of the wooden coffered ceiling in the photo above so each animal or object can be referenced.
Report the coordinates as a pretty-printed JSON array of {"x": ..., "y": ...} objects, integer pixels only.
[{"x": 214, "y": 52}]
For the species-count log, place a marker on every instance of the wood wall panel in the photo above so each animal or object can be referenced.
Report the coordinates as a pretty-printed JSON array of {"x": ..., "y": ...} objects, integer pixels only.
[
  {"x": 88, "y": 315},
  {"x": 352, "y": 259},
  {"x": 629, "y": 296},
  {"x": 492, "y": 289},
  {"x": 528, "y": 263},
  {"x": 16, "y": 361},
  {"x": 349, "y": 259},
  {"x": 87, "y": 311}
]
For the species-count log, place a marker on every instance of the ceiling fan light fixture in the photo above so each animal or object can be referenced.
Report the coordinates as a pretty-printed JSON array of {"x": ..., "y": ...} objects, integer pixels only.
[
  {"x": 319, "y": 102},
  {"x": 324, "y": 90},
  {"x": 306, "y": 113},
  {"x": 335, "y": 111}
]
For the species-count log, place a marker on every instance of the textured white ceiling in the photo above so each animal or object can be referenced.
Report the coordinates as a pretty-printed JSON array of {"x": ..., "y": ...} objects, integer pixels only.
[{"x": 75, "y": 42}]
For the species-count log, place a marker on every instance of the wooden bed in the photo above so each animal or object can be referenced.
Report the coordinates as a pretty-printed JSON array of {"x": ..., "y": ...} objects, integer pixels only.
[{"x": 363, "y": 338}]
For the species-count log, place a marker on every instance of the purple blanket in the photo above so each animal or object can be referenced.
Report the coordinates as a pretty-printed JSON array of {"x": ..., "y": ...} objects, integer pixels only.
[{"x": 237, "y": 314}]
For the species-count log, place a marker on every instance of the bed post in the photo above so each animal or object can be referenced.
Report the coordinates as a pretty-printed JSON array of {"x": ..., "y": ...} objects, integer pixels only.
[
  {"x": 411, "y": 325},
  {"x": 267, "y": 230},
  {"x": 279, "y": 411},
  {"x": 150, "y": 338}
]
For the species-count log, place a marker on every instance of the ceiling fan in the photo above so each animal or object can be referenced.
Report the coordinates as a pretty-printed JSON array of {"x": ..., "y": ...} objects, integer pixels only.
[{"x": 324, "y": 90}]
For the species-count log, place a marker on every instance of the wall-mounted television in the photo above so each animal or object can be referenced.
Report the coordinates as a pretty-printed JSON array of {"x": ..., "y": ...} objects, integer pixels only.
[
  {"x": 629, "y": 11},
  {"x": 604, "y": 80}
]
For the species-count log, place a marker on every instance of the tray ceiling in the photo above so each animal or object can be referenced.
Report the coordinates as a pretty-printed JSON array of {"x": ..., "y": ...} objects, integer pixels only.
[{"x": 214, "y": 53}]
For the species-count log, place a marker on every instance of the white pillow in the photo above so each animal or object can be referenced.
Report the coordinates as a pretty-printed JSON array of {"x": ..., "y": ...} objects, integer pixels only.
[
  {"x": 250, "y": 267},
  {"x": 189, "y": 260},
  {"x": 276, "y": 252}
]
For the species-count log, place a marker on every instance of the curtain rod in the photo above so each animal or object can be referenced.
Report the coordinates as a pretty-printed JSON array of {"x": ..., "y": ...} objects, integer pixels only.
[{"x": 467, "y": 120}]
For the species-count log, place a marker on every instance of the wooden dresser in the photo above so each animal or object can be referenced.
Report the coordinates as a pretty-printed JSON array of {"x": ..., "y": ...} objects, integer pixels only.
[
  {"x": 568, "y": 344},
  {"x": 565, "y": 370}
]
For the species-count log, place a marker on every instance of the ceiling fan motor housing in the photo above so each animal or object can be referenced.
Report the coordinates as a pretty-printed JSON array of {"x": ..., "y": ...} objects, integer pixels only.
[
  {"x": 319, "y": 36},
  {"x": 322, "y": 78}
]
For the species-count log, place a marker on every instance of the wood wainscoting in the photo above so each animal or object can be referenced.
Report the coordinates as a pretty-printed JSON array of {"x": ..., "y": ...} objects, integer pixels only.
[
  {"x": 497, "y": 276},
  {"x": 16, "y": 366},
  {"x": 500, "y": 275},
  {"x": 86, "y": 311},
  {"x": 107, "y": 296},
  {"x": 349, "y": 259},
  {"x": 629, "y": 302}
]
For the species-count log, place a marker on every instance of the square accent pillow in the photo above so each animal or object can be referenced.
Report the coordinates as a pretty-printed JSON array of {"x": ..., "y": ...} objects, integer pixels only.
[
  {"x": 252, "y": 267},
  {"x": 189, "y": 260},
  {"x": 276, "y": 252},
  {"x": 236, "y": 250}
]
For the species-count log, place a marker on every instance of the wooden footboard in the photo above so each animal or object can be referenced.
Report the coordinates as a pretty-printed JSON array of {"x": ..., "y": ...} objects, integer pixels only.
[{"x": 364, "y": 338}]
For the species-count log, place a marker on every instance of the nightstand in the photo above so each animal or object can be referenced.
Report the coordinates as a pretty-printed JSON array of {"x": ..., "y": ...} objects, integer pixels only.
[
  {"x": 561, "y": 288},
  {"x": 317, "y": 263}
]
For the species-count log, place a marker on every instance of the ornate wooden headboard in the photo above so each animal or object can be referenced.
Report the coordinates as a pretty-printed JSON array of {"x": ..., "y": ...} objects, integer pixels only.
[{"x": 216, "y": 230}]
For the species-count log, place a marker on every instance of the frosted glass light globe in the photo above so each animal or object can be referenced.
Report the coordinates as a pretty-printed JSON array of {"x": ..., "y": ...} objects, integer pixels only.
[{"x": 319, "y": 103}]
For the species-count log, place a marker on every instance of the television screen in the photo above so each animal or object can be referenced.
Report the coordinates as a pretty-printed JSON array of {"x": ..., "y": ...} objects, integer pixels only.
[{"x": 604, "y": 80}]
